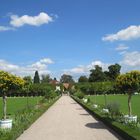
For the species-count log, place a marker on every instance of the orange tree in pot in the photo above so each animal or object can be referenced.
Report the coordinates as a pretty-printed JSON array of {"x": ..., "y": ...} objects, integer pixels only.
[
  {"x": 8, "y": 82},
  {"x": 129, "y": 83}
]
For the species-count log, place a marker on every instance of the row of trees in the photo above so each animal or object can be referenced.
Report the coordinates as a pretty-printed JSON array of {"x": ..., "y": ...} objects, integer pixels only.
[
  {"x": 98, "y": 75},
  {"x": 128, "y": 83}
]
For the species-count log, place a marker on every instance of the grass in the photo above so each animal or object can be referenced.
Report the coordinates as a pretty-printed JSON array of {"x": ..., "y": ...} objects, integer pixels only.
[
  {"x": 122, "y": 100},
  {"x": 18, "y": 103}
]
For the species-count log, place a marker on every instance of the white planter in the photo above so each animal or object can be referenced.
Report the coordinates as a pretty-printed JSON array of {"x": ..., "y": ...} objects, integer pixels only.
[
  {"x": 85, "y": 100},
  {"x": 129, "y": 119},
  {"x": 95, "y": 106},
  {"x": 6, "y": 124},
  {"x": 105, "y": 110}
]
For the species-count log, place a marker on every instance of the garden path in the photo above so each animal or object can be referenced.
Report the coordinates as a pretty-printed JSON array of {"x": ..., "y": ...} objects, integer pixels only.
[{"x": 67, "y": 120}]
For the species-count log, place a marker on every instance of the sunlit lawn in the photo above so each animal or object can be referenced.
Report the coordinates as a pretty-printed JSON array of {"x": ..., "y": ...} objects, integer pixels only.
[
  {"x": 18, "y": 103},
  {"x": 122, "y": 100}
]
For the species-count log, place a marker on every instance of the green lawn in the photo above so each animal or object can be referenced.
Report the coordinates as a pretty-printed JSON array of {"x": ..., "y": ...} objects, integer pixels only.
[
  {"x": 122, "y": 100},
  {"x": 18, "y": 103}
]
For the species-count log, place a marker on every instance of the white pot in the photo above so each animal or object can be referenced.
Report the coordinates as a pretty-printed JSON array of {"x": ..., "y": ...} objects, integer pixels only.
[
  {"x": 85, "y": 100},
  {"x": 95, "y": 106},
  {"x": 6, "y": 124},
  {"x": 129, "y": 119},
  {"x": 105, "y": 110}
]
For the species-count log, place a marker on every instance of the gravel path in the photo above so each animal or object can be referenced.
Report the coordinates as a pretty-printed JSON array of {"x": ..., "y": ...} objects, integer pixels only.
[{"x": 67, "y": 120}]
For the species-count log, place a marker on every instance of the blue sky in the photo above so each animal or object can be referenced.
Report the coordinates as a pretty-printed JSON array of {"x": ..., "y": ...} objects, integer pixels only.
[{"x": 68, "y": 36}]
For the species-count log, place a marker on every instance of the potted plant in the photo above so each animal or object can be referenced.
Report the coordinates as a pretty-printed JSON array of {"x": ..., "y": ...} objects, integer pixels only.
[
  {"x": 8, "y": 82},
  {"x": 129, "y": 83}
]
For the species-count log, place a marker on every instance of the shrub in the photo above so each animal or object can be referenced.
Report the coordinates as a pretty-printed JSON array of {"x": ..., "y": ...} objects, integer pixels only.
[
  {"x": 79, "y": 94},
  {"x": 114, "y": 109}
]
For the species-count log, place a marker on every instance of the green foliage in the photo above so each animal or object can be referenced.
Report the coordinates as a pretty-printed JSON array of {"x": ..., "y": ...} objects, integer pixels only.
[
  {"x": 96, "y": 87},
  {"x": 66, "y": 79},
  {"x": 96, "y": 75},
  {"x": 28, "y": 80},
  {"x": 45, "y": 78},
  {"x": 114, "y": 109},
  {"x": 82, "y": 79},
  {"x": 129, "y": 82},
  {"x": 36, "y": 78},
  {"x": 9, "y": 82},
  {"x": 79, "y": 94},
  {"x": 114, "y": 71}
]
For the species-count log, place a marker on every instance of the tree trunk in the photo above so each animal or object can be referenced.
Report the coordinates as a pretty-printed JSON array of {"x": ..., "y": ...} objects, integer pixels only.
[
  {"x": 4, "y": 106},
  {"x": 129, "y": 104}
]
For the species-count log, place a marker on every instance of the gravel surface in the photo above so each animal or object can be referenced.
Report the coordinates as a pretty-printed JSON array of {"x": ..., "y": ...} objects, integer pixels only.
[{"x": 67, "y": 120}]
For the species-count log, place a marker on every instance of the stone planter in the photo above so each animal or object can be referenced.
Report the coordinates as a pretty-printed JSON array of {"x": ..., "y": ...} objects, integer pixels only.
[
  {"x": 95, "y": 106},
  {"x": 105, "y": 110},
  {"x": 130, "y": 119},
  {"x": 6, "y": 124}
]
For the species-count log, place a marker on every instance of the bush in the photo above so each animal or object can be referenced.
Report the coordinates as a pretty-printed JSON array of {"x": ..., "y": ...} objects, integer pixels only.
[
  {"x": 79, "y": 94},
  {"x": 114, "y": 109}
]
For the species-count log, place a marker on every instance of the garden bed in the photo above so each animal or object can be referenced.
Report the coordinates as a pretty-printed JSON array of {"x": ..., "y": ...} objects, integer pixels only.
[
  {"x": 124, "y": 131},
  {"x": 27, "y": 115}
]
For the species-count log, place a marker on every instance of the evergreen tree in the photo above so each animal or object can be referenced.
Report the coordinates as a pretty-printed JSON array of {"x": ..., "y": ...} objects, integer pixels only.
[{"x": 36, "y": 78}]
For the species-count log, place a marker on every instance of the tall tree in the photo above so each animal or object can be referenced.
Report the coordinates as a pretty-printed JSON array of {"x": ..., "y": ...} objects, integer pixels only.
[
  {"x": 97, "y": 75},
  {"x": 66, "y": 79},
  {"x": 36, "y": 78},
  {"x": 45, "y": 78},
  {"x": 27, "y": 79},
  {"x": 114, "y": 71},
  {"x": 82, "y": 79}
]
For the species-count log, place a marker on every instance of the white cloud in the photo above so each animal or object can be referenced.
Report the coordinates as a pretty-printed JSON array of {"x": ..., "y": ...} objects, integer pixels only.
[
  {"x": 86, "y": 69},
  {"x": 131, "y": 59},
  {"x": 42, "y": 18},
  {"x": 122, "y": 47},
  {"x": 5, "y": 28},
  {"x": 46, "y": 61},
  {"x": 41, "y": 66},
  {"x": 123, "y": 52},
  {"x": 4, "y": 65},
  {"x": 132, "y": 32}
]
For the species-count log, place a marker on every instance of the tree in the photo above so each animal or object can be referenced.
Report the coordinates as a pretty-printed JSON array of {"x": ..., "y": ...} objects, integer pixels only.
[
  {"x": 82, "y": 79},
  {"x": 105, "y": 87},
  {"x": 129, "y": 83},
  {"x": 66, "y": 79},
  {"x": 45, "y": 78},
  {"x": 97, "y": 75},
  {"x": 8, "y": 82},
  {"x": 28, "y": 79},
  {"x": 36, "y": 78},
  {"x": 114, "y": 71}
]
